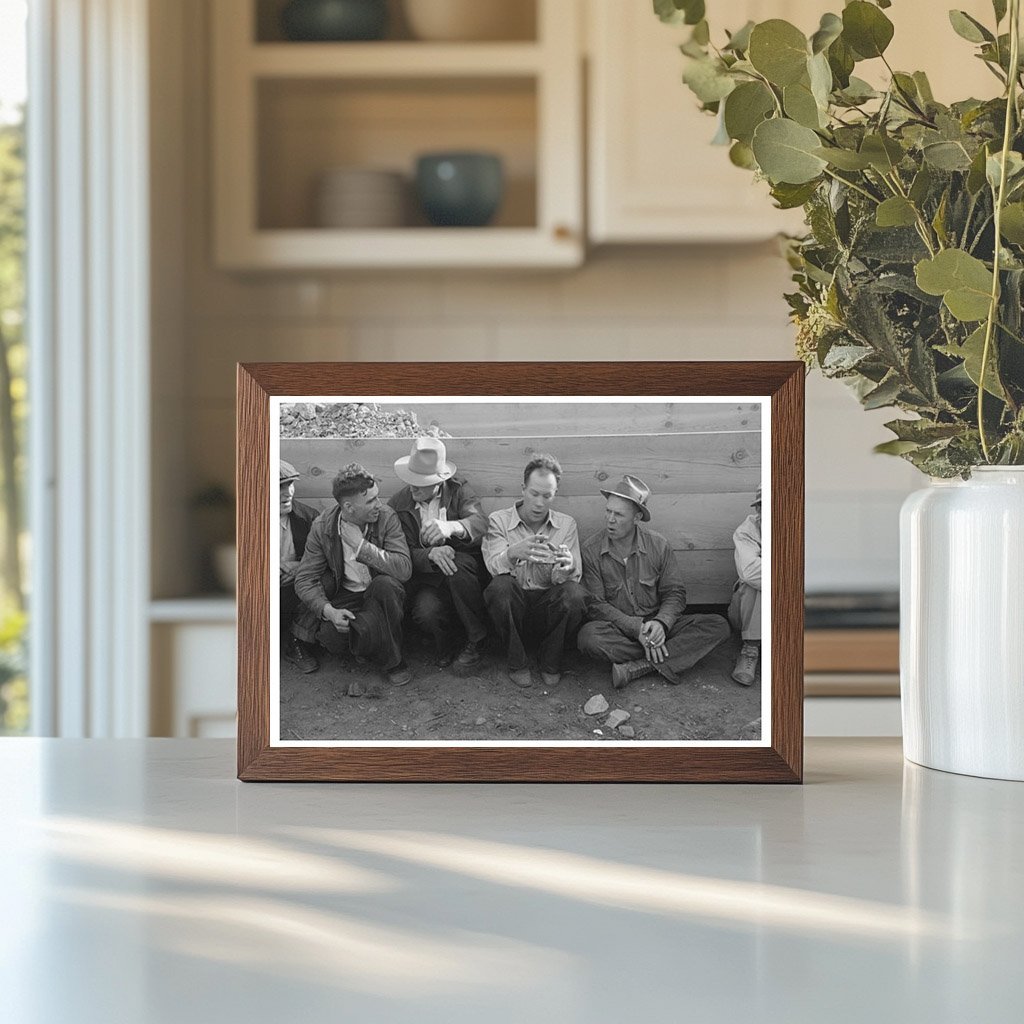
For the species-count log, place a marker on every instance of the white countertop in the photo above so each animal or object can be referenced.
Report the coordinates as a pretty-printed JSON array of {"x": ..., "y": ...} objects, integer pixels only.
[{"x": 143, "y": 884}]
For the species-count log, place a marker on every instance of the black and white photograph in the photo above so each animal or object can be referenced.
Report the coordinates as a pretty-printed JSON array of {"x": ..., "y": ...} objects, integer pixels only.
[{"x": 508, "y": 570}]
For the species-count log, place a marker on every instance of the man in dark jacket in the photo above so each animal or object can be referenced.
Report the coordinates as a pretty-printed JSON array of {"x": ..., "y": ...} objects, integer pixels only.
[
  {"x": 351, "y": 576},
  {"x": 637, "y": 596},
  {"x": 296, "y": 619},
  {"x": 443, "y": 523}
]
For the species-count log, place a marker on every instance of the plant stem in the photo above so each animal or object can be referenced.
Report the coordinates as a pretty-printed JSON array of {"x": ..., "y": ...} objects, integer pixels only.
[
  {"x": 993, "y": 308},
  {"x": 855, "y": 187},
  {"x": 922, "y": 225}
]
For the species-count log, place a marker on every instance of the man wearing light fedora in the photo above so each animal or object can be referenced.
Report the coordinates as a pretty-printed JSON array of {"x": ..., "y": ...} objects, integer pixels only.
[
  {"x": 745, "y": 607},
  {"x": 297, "y": 620},
  {"x": 637, "y": 596},
  {"x": 443, "y": 522}
]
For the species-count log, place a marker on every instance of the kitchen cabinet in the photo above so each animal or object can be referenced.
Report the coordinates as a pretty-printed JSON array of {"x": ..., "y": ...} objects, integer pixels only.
[
  {"x": 653, "y": 175},
  {"x": 286, "y": 113}
]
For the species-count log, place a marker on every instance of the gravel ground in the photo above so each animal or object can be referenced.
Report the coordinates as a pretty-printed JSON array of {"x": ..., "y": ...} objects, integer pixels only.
[
  {"x": 351, "y": 419},
  {"x": 706, "y": 705}
]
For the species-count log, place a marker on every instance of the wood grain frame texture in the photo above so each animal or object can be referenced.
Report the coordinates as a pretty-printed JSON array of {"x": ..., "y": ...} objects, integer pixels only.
[{"x": 782, "y": 761}]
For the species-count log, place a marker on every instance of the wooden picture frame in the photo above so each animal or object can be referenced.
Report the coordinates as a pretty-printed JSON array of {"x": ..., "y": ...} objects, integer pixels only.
[{"x": 777, "y": 386}]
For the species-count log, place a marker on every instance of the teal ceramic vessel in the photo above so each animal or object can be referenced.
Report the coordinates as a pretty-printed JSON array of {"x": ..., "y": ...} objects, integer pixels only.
[
  {"x": 460, "y": 189},
  {"x": 334, "y": 21}
]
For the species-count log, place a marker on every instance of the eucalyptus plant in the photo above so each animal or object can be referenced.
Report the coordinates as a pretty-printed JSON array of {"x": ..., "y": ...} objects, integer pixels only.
[{"x": 910, "y": 278}]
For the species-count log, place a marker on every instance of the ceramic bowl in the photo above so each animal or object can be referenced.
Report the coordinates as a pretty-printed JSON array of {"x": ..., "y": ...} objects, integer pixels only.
[
  {"x": 334, "y": 20},
  {"x": 460, "y": 189}
]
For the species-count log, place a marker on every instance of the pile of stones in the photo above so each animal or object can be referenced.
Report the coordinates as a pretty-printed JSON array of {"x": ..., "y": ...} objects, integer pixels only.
[{"x": 351, "y": 419}]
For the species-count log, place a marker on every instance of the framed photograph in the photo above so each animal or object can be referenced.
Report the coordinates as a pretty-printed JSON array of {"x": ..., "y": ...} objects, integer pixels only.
[{"x": 520, "y": 572}]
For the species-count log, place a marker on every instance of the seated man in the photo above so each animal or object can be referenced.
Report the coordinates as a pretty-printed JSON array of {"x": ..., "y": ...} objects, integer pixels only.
[
  {"x": 297, "y": 620},
  {"x": 444, "y": 523},
  {"x": 533, "y": 553},
  {"x": 637, "y": 596},
  {"x": 745, "y": 607},
  {"x": 352, "y": 572}
]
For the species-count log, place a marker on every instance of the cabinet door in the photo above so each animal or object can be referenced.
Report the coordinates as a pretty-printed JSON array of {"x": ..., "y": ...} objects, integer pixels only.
[{"x": 653, "y": 174}]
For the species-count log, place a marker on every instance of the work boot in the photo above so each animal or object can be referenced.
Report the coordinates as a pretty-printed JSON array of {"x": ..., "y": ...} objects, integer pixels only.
[
  {"x": 298, "y": 654},
  {"x": 626, "y": 671},
  {"x": 521, "y": 677},
  {"x": 551, "y": 679},
  {"x": 470, "y": 655},
  {"x": 399, "y": 675},
  {"x": 746, "y": 664}
]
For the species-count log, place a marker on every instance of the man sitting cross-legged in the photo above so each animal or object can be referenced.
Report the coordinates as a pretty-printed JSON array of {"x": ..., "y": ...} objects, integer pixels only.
[{"x": 637, "y": 596}]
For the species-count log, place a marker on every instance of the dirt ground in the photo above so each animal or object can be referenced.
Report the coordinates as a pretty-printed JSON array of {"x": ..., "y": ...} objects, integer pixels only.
[{"x": 438, "y": 705}]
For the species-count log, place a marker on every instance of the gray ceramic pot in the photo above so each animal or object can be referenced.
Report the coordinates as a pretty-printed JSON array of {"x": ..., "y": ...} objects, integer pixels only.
[
  {"x": 460, "y": 189},
  {"x": 334, "y": 20}
]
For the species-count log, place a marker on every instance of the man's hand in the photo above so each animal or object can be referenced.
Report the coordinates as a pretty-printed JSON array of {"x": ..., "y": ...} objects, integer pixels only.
[
  {"x": 444, "y": 559},
  {"x": 351, "y": 534},
  {"x": 431, "y": 533},
  {"x": 340, "y": 618},
  {"x": 563, "y": 558},
  {"x": 652, "y": 637},
  {"x": 289, "y": 567},
  {"x": 532, "y": 549}
]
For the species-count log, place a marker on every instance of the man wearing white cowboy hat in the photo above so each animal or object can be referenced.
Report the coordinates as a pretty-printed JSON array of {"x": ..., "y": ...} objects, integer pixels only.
[
  {"x": 298, "y": 622},
  {"x": 638, "y": 597},
  {"x": 745, "y": 607},
  {"x": 443, "y": 522}
]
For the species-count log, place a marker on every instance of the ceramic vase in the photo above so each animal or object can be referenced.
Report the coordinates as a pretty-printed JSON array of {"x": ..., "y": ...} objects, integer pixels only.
[{"x": 962, "y": 624}]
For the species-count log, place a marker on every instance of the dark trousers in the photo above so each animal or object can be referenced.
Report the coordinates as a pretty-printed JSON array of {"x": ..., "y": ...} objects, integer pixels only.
[
  {"x": 690, "y": 639},
  {"x": 549, "y": 617},
  {"x": 439, "y": 603},
  {"x": 296, "y": 618},
  {"x": 376, "y": 632}
]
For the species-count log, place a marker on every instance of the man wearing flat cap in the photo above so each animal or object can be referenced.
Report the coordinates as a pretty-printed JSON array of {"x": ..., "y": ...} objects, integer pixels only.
[
  {"x": 351, "y": 577},
  {"x": 443, "y": 522},
  {"x": 745, "y": 607},
  {"x": 296, "y": 619},
  {"x": 637, "y": 596}
]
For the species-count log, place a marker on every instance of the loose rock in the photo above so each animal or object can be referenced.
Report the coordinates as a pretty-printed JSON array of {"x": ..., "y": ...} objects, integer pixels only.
[
  {"x": 352, "y": 419},
  {"x": 480, "y": 721},
  {"x": 616, "y": 718},
  {"x": 597, "y": 705},
  {"x": 627, "y": 730}
]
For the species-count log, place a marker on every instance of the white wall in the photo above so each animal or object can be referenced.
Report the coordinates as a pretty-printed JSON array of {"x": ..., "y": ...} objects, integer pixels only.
[{"x": 721, "y": 302}]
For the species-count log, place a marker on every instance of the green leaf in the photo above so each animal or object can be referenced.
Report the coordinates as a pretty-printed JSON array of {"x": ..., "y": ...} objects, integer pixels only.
[
  {"x": 829, "y": 30},
  {"x": 789, "y": 197},
  {"x": 946, "y": 156},
  {"x": 858, "y": 91},
  {"x": 745, "y": 108},
  {"x": 971, "y": 352},
  {"x": 820, "y": 75},
  {"x": 742, "y": 155},
  {"x": 778, "y": 50},
  {"x": 994, "y": 167},
  {"x": 895, "y": 447},
  {"x": 679, "y": 12},
  {"x": 896, "y": 212},
  {"x": 739, "y": 41},
  {"x": 939, "y": 220},
  {"x": 866, "y": 29},
  {"x": 701, "y": 33},
  {"x": 921, "y": 185},
  {"x": 923, "y": 431},
  {"x": 841, "y": 60},
  {"x": 999, "y": 7},
  {"x": 924, "y": 88},
  {"x": 800, "y": 105},
  {"x": 885, "y": 394},
  {"x": 963, "y": 281},
  {"x": 707, "y": 80},
  {"x": 883, "y": 153},
  {"x": 1011, "y": 226},
  {"x": 844, "y": 159},
  {"x": 976, "y": 175},
  {"x": 968, "y": 28},
  {"x": 785, "y": 152}
]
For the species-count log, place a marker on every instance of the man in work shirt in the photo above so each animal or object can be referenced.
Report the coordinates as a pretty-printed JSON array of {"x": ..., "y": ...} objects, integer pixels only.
[
  {"x": 745, "y": 607},
  {"x": 351, "y": 576},
  {"x": 637, "y": 596},
  {"x": 297, "y": 620},
  {"x": 533, "y": 553},
  {"x": 444, "y": 523}
]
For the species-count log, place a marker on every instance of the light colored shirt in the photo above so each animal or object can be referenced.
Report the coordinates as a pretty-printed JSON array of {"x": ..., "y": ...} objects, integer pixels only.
[
  {"x": 505, "y": 528},
  {"x": 357, "y": 575},
  {"x": 432, "y": 511},
  {"x": 747, "y": 542},
  {"x": 287, "y": 540}
]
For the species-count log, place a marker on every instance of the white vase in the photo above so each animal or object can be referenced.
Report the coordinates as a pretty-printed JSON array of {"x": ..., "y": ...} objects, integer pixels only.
[{"x": 962, "y": 624}]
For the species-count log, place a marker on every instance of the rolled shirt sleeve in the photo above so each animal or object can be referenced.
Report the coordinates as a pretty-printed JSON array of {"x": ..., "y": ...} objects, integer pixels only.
[
  {"x": 572, "y": 541},
  {"x": 495, "y": 545},
  {"x": 472, "y": 517}
]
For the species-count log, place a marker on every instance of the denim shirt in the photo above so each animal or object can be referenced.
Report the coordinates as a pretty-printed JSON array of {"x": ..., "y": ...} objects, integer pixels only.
[{"x": 648, "y": 585}]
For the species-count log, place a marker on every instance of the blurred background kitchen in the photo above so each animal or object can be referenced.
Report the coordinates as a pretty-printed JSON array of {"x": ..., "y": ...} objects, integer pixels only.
[{"x": 245, "y": 180}]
